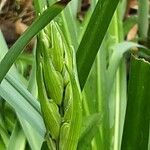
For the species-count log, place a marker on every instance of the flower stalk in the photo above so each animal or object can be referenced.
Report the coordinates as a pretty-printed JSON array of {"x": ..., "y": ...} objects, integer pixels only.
[{"x": 59, "y": 93}]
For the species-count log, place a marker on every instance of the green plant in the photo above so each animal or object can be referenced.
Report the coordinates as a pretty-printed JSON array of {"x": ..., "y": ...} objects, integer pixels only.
[
  {"x": 76, "y": 94},
  {"x": 59, "y": 93}
]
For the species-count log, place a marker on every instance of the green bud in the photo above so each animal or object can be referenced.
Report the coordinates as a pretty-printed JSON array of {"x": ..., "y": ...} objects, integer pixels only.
[
  {"x": 49, "y": 111},
  {"x": 68, "y": 56},
  {"x": 64, "y": 133},
  {"x": 53, "y": 81},
  {"x": 57, "y": 49},
  {"x": 68, "y": 103},
  {"x": 76, "y": 115},
  {"x": 55, "y": 110},
  {"x": 65, "y": 75},
  {"x": 45, "y": 39}
]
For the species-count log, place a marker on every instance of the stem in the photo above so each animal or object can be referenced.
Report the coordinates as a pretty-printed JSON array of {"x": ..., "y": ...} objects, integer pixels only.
[
  {"x": 116, "y": 31},
  {"x": 143, "y": 13},
  {"x": 103, "y": 100}
]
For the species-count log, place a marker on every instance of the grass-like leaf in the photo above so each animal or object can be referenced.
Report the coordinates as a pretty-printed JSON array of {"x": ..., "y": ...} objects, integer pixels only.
[
  {"x": 93, "y": 37},
  {"x": 29, "y": 130},
  {"x": 21, "y": 106},
  {"x": 89, "y": 129},
  {"x": 17, "y": 139},
  {"x": 24, "y": 92},
  {"x": 4, "y": 135},
  {"x": 136, "y": 128},
  {"x": 30, "y": 133},
  {"x": 119, "y": 51}
]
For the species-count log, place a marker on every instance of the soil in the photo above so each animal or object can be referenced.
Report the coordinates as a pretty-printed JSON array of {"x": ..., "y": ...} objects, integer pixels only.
[{"x": 15, "y": 17}]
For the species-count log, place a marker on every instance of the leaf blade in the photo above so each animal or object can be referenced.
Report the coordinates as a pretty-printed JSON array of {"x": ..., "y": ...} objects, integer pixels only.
[
  {"x": 136, "y": 127},
  {"x": 91, "y": 41}
]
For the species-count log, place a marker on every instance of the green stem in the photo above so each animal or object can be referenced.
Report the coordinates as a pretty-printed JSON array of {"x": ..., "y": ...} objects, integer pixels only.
[
  {"x": 143, "y": 21},
  {"x": 103, "y": 103},
  {"x": 116, "y": 31}
]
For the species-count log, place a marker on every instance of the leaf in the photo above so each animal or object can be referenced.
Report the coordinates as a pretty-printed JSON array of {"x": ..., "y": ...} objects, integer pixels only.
[
  {"x": 39, "y": 6},
  {"x": 4, "y": 135},
  {"x": 27, "y": 58},
  {"x": 2, "y": 146},
  {"x": 24, "y": 92},
  {"x": 30, "y": 133},
  {"x": 17, "y": 139},
  {"x": 136, "y": 127},
  {"x": 29, "y": 130},
  {"x": 119, "y": 50},
  {"x": 143, "y": 18},
  {"x": 44, "y": 146},
  {"x": 89, "y": 129},
  {"x": 93, "y": 37},
  {"x": 20, "y": 44},
  {"x": 21, "y": 106}
]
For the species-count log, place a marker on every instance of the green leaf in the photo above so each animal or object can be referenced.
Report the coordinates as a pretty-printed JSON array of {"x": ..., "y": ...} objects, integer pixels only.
[
  {"x": 23, "y": 91},
  {"x": 89, "y": 123},
  {"x": 27, "y": 58},
  {"x": 44, "y": 146},
  {"x": 4, "y": 135},
  {"x": 2, "y": 146},
  {"x": 89, "y": 129},
  {"x": 17, "y": 139},
  {"x": 39, "y": 6},
  {"x": 20, "y": 44},
  {"x": 136, "y": 127},
  {"x": 30, "y": 133},
  {"x": 93, "y": 37},
  {"x": 69, "y": 27},
  {"x": 143, "y": 18},
  {"x": 22, "y": 107},
  {"x": 119, "y": 50},
  {"x": 29, "y": 130}
]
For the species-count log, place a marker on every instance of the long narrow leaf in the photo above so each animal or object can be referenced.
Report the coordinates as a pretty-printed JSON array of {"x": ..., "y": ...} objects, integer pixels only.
[
  {"x": 29, "y": 131},
  {"x": 17, "y": 139},
  {"x": 24, "y": 92},
  {"x": 93, "y": 37},
  {"x": 119, "y": 50},
  {"x": 21, "y": 106},
  {"x": 136, "y": 128},
  {"x": 89, "y": 129},
  {"x": 4, "y": 135}
]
